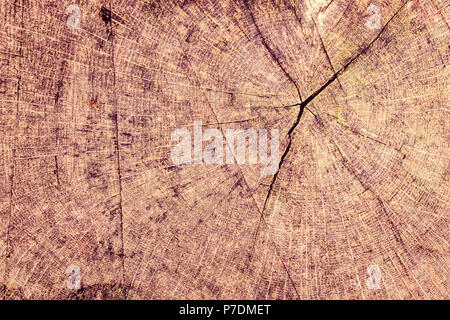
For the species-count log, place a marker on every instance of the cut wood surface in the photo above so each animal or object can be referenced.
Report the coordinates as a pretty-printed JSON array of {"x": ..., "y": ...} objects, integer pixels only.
[{"x": 92, "y": 206}]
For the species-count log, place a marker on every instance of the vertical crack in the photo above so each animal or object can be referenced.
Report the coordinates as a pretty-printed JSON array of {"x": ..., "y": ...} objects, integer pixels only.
[
  {"x": 106, "y": 14},
  {"x": 56, "y": 170},
  {"x": 59, "y": 87}
]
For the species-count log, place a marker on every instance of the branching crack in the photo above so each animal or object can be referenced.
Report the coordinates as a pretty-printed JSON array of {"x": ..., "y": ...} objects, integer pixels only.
[
  {"x": 303, "y": 104},
  {"x": 269, "y": 49}
]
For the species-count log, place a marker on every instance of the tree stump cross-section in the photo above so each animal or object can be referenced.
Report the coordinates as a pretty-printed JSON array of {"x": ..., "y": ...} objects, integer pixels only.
[{"x": 93, "y": 207}]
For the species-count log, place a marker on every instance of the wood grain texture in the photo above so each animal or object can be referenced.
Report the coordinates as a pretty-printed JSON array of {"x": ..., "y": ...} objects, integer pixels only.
[{"x": 86, "y": 117}]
